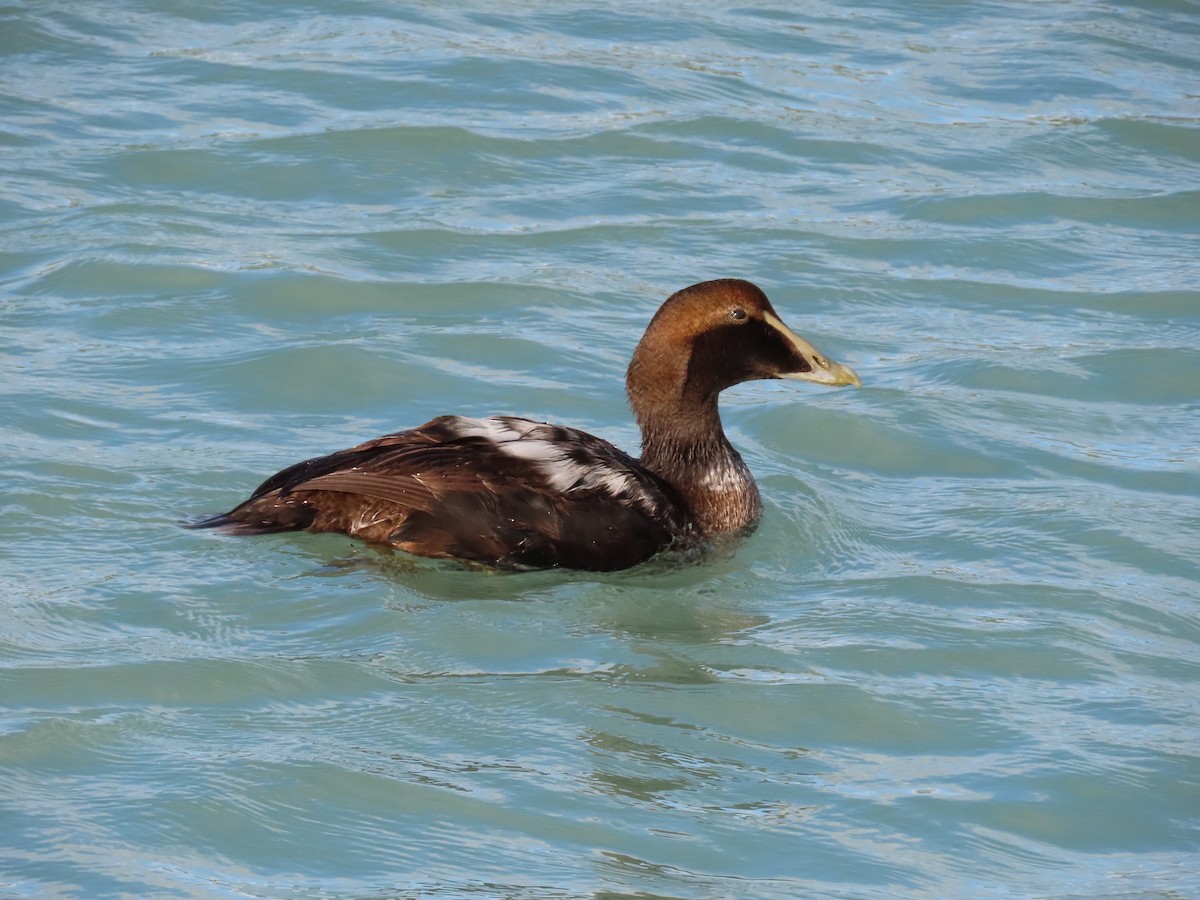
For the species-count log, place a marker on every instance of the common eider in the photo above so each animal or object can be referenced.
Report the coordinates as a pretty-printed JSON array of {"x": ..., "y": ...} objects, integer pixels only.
[{"x": 512, "y": 493}]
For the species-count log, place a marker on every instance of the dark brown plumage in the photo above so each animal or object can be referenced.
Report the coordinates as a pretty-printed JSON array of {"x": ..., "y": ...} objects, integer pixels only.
[{"x": 513, "y": 493}]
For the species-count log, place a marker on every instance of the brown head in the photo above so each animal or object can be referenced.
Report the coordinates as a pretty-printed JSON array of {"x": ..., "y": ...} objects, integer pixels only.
[{"x": 714, "y": 335}]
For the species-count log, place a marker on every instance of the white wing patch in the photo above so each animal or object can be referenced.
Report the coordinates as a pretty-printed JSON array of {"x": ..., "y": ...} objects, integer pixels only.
[
  {"x": 548, "y": 447},
  {"x": 494, "y": 428}
]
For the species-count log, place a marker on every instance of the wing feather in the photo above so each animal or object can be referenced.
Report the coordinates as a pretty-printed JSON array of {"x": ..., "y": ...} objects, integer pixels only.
[{"x": 503, "y": 491}]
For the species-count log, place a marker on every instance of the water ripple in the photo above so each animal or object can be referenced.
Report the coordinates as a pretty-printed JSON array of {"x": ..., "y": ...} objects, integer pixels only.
[{"x": 958, "y": 659}]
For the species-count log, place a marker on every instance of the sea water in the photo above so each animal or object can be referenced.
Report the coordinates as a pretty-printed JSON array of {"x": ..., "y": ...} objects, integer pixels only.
[{"x": 958, "y": 659}]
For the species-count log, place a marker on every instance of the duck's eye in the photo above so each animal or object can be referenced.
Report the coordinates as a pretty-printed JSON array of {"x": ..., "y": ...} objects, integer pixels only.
[{"x": 738, "y": 314}]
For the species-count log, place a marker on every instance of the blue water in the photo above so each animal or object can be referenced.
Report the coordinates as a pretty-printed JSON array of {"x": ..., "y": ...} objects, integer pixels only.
[{"x": 959, "y": 658}]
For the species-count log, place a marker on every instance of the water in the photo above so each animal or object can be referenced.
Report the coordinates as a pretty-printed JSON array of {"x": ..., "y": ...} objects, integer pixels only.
[{"x": 959, "y": 659}]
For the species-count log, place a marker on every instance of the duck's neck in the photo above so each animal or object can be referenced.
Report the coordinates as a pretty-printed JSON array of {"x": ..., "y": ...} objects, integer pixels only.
[{"x": 686, "y": 446}]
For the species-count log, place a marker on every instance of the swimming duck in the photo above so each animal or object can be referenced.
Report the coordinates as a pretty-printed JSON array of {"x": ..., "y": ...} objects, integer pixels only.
[{"x": 513, "y": 493}]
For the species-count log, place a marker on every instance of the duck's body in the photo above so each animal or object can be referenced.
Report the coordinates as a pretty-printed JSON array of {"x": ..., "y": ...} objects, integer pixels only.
[
  {"x": 513, "y": 493},
  {"x": 505, "y": 491}
]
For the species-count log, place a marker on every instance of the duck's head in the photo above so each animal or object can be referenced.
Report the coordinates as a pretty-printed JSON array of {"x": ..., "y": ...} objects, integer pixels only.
[{"x": 714, "y": 335}]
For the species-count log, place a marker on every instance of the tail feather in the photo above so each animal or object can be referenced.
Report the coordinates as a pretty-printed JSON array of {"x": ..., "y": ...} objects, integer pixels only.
[{"x": 259, "y": 518}]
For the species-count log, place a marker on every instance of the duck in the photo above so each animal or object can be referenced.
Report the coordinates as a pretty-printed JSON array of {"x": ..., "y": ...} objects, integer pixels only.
[{"x": 506, "y": 493}]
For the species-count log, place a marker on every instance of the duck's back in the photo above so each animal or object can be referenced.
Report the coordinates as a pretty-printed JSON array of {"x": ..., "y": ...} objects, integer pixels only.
[{"x": 503, "y": 491}]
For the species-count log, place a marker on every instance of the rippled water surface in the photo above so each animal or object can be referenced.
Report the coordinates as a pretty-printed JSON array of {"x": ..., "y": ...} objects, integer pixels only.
[{"x": 959, "y": 658}]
